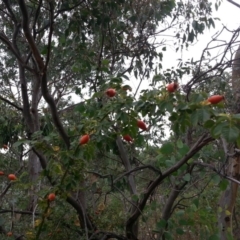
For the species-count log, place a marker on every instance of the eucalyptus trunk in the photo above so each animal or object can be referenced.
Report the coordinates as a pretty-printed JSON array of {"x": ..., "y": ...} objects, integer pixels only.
[
  {"x": 131, "y": 181},
  {"x": 232, "y": 169}
]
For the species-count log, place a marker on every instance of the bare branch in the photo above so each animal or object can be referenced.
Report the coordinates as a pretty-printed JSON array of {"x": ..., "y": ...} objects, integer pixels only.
[
  {"x": 4, "y": 39},
  {"x": 19, "y": 211},
  {"x": 43, "y": 73},
  {"x": 81, "y": 213},
  {"x": 36, "y": 17},
  {"x": 218, "y": 172},
  {"x": 49, "y": 99},
  {"x": 50, "y": 34},
  {"x": 203, "y": 141},
  {"x": 58, "y": 12},
  {"x": 25, "y": 98},
  {"x": 12, "y": 104},
  {"x": 28, "y": 35},
  {"x": 137, "y": 169},
  {"x": 126, "y": 163},
  {"x": 10, "y": 11},
  {"x": 234, "y": 3}
]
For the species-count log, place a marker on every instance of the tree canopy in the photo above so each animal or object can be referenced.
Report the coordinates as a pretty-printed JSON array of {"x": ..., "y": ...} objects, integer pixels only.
[{"x": 87, "y": 152}]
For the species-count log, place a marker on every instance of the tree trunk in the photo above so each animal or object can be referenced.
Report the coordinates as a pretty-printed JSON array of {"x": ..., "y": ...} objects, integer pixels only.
[
  {"x": 32, "y": 123},
  {"x": 34, "y": 165},
  {"x": 34, "y": 169},
  {"x": 131, "y": 180},
  {"x": 228, "y": 198},
  {"x": 236, "y": 80},
  {"x": 167, "y": 210}
]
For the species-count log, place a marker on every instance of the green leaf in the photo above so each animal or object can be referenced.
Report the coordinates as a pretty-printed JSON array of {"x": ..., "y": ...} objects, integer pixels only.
[
  {"x": 75, "y": 68},
  {"x": 209, "y": 124},
  {"x": 211, "y": 22},
  {"x": 184, "y": 150},
  {"x": 125, "y": 77},
  {"x": 105, "y": 62},
  {"x": 203, "y": 114},
  {"x": 167, "y": 148},
  {"x": 168, "y": 236},
  {"x": 62, "y": 39},
  {"x": 179, "y": 231},
  {"x": 214, "y": 237},
  {"x": 183, "y": 106},
  {"x": 135, "y": 197},
  {"x": 44, "y": 50},
  {"x": 157, "y": 78},
  {"x": 191, "y": 36},
  {"x": 133, "y": 19},
  {"x": 217, "y": 130},
  {"x": 180, "y": 213},
  {"x": 20, "y": 142},
  {"x": 80, "y": 107},
  {"x": 196, "y": 202},
  {"x": 230, "y": 133},
  {"x": 196, "y": 98},
  {"x": 184, "y": 38},
  {"x": 194, "y": 118},
  {"x": 161, "y": 224},
  {"x": 183, "y": 222},
  {"x": 173, "y": 117},
  {"x": 223, "y": 184},
  {"x": 216, "y": 179},
  {"x": 187, "y": 177},
  {"x": 154, "y": 205},
  {"x": 179, "y": 143},
  {"x": 194, "y": 24},
  {"x": 170, "y": 162},
  {"x": 169, "y": 107}
]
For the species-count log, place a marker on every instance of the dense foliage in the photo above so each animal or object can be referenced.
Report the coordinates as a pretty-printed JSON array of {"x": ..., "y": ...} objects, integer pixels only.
[{"x": 100, "y": 147}]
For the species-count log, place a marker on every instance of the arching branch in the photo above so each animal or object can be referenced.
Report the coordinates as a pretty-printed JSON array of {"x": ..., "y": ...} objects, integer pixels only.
[{"x": 12, "y": 104}]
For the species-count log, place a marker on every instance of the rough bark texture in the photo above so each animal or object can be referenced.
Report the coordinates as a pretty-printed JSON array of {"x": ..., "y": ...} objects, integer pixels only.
[{"x": 228, "y": 198}]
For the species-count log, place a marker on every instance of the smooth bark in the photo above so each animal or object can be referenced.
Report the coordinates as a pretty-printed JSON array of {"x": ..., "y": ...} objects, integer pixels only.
[{"x": 232, "y": 169}]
